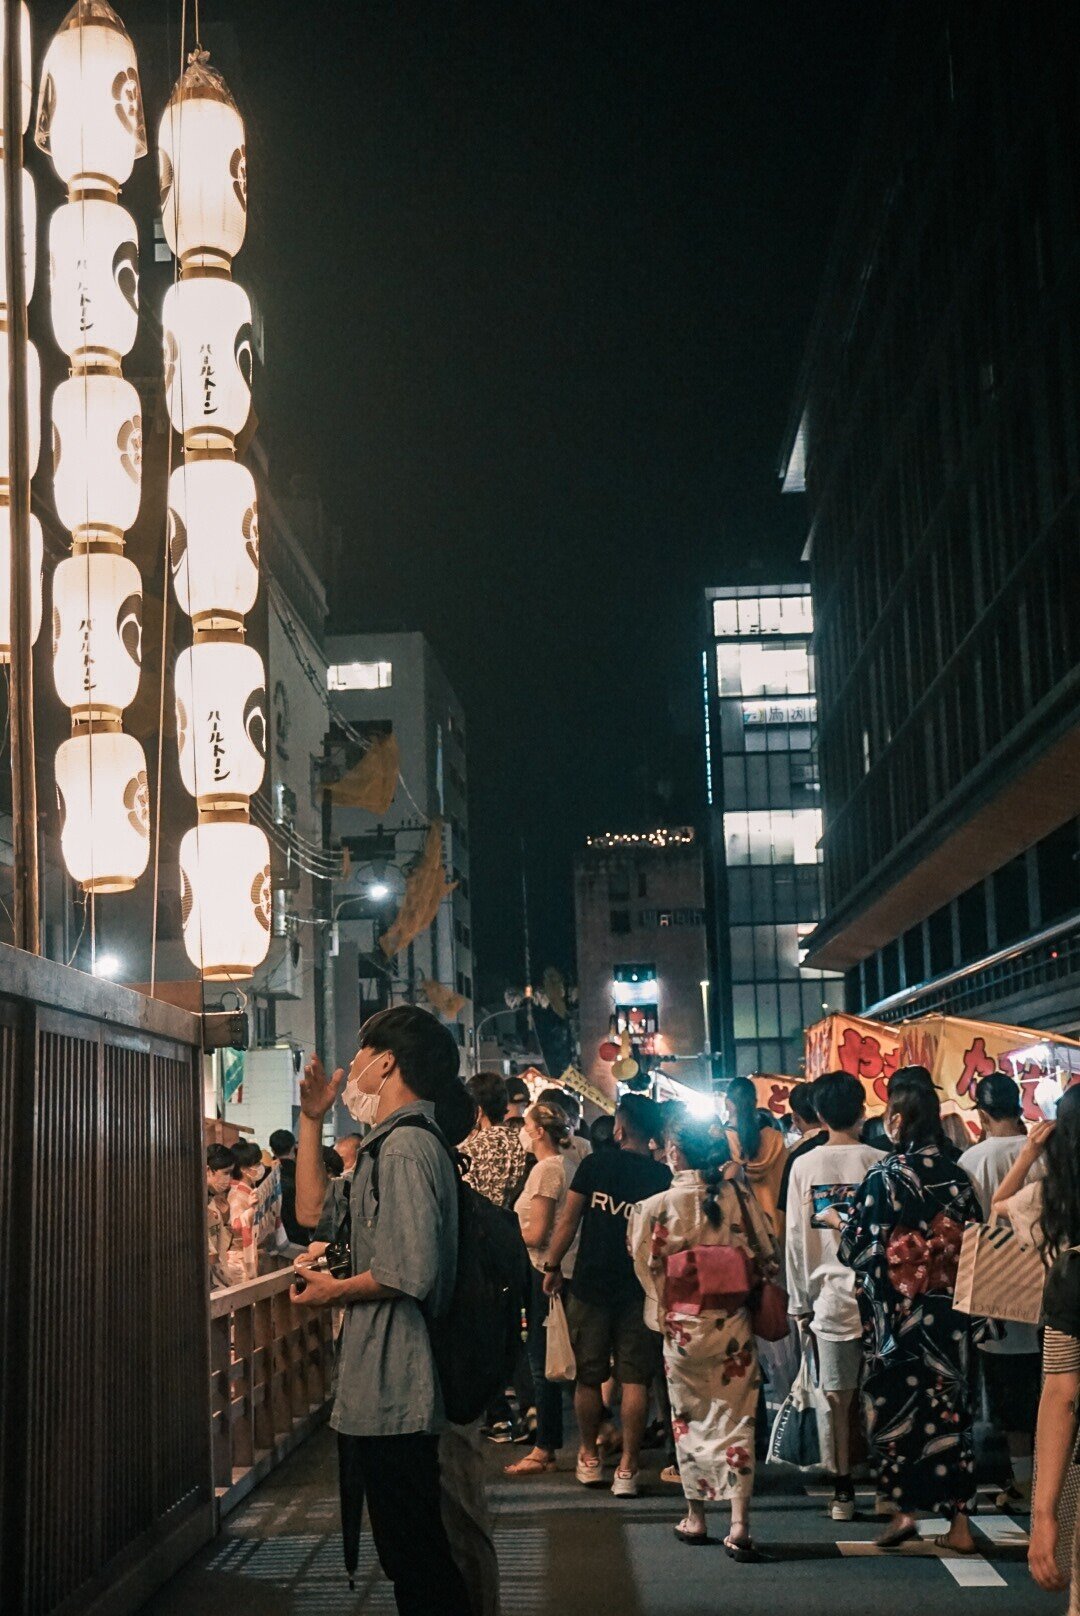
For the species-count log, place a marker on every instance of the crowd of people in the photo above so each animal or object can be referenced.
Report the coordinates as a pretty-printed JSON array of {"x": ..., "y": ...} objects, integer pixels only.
[{"x": 670, "y": 1241}]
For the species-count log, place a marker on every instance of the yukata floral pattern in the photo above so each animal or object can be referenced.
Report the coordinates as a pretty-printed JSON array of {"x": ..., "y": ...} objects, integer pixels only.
[
  {"x": 917, "y": 1349},
  {"x": 710, "y": 1358}
]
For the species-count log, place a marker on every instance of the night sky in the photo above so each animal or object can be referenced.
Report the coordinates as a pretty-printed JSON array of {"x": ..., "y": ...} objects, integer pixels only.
[{"x": 537, "y": 280}]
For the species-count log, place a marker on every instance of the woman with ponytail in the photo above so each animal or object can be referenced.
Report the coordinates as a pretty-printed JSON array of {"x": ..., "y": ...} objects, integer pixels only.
[
  {"x": 760, "y": 1152},
  {"x": 700, "y": 1249}
]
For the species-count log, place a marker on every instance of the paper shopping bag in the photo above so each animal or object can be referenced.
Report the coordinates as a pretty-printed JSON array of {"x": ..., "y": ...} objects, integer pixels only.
[{"x": 998, "y": 1277}]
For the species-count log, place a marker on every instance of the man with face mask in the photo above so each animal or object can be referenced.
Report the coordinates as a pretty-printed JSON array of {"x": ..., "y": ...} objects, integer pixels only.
[{"x": 388, "y": 1410}]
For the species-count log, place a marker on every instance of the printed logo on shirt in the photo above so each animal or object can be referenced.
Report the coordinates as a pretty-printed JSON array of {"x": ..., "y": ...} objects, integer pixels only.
[
  {"x": 602, "y": 1202},
  {"x": 831, "y": 1197}
]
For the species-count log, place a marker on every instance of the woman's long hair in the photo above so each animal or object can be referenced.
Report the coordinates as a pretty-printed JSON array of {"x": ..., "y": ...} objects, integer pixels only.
[
  {"x": 705, "y": 1151},
  {"x": 742, "y": 1098},
  {"x": 913, "y": 1100},
  {"x": 1061, "y": 1186}
]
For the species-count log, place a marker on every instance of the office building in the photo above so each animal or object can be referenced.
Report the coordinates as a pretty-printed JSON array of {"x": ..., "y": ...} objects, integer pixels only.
[
  {"x": 764, "y": 809},
  {"x": 639, "y": 902},
  {"x": 392, "y": 684},
  {"x": 935, "y": 434}
]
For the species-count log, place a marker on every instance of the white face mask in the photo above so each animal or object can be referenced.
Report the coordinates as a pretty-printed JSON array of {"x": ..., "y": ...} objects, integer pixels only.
[{"x": 364, "y": 1107}]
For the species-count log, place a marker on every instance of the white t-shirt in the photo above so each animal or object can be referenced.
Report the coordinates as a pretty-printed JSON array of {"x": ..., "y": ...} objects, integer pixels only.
[
  {"x": 818, "y": 1282},
  {"x": 986, "y": 1165},
  {"x": 548, "y": 1178}
]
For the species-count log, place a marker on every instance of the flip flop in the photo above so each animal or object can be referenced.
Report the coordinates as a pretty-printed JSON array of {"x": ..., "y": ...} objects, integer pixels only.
[
  {"x": 530, "y": 1466},
  {"x": 893, "y": 1540},
  {"x": 742, "y": 1550},
  {"x": 942, "y": 1542},
  {"x": 692, "y": 1538}
]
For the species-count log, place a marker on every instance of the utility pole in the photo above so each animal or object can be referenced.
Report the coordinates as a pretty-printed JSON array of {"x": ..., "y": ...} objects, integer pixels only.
[
  {"x": 23, "y": 765},
  {"x": 327, "y": 1008}
]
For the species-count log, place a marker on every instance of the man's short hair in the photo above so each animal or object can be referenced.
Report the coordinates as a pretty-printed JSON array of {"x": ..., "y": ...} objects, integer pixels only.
[
  {"x": 455, "y": 1112},
  {"x": 218, "y": 1157},
  {"x": 517, "y": 1091},
  {"x": 640, "y": 1116},
  {"x": 839, "y": 1100},
  {"x": 332, "y": 1162},
  {"x": 999, "y": 1096},
  {"x": 427, "y": 1056},
  {"x": 802, "y": 1102},
  {"x": 488, "y": 1089},
  {"x": 568, "y": 1103},
  {"x": 246, "y": 1153},
  {"x": 282, "y": 1143}
]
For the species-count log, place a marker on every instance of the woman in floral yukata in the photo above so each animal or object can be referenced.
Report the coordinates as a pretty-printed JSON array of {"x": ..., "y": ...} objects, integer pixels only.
[
  {"x": 902, "y": 1240},
  {"x": 710, "y": 1358}
]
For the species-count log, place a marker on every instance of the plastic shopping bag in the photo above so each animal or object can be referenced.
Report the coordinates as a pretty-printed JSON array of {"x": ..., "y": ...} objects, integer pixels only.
[
  {"x": 559, "y": 1354},
  {"x": 795, "y": 1437}
]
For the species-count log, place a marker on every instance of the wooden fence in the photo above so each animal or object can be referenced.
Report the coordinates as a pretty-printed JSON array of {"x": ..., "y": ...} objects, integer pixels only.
[{"x": 271, "y": 1367}]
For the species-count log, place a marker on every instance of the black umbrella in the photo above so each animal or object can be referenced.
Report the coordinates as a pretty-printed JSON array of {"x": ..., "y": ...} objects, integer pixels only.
[{"x": 351, "y": 1489}]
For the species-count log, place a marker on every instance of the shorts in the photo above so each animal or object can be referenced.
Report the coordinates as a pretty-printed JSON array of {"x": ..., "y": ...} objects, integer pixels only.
[
  {"x": 839, "y": 1365},
  {"x": 1013, "y": 1383},
  {"x": 603, "y": 1337}
]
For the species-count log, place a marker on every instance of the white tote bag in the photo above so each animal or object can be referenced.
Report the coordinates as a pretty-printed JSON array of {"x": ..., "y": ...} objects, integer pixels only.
[{"x": 558, "y": 1354}]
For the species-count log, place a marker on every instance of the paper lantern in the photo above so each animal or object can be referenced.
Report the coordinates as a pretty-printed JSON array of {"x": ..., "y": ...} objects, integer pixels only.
[
  {"x": 202, "y": 170},
  {"x": 36, "y": 552},
  {"x": 29, "y": 207},
  {"x": 225, "y": 898},
  {"x": 94, "y": 281},
  {"x": 221, "y": 722},
  {"x": 206, "y": 330},
  {"x": 24, "y": 64},
  {"x": 97, "y": 455},
  {"x": 33, "y": 409},
  {"x": 214, "y": 541},
  {"x": 97, "y": 633},
  {"x": 90, "y": 112},
  {"x": 105, "y": 809}
]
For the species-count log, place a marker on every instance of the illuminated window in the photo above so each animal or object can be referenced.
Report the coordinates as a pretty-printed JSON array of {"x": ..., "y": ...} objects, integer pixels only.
[
  {"x": 360, "y": 676},
  {"x": 774, "y": 614},
  {"x": 772, "y": 836},
  {"x": 764, "y": 670}
]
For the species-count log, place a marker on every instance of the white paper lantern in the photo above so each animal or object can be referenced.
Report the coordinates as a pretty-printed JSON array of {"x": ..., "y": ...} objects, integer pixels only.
[
  {"x": 97, "y": 633},
  {"x": 104, "y": 802},
  {"x": 36, "y": 552},
  {"x": 94, "y": 280},
  {"x": 202, "y": 170},
  {"x": 24, "y": 65},
  {"x": 206, "y": 331},
  {"x": 29, "y": 206},
  {"x": 90, "y": 112},
  {"x": 97, "y": 455},
  {"x": 33, "y": 408},
  {"x": 214, "y": 540},
  {"x": 221, "y": 722},
  {"x": 225, "y": 899}
]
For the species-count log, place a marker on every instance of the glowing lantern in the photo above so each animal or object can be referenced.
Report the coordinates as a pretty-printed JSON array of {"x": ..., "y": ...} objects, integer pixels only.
[
  {"x": 225, "y": 898},
  {"x": 104, "y": 802},
  {"x": 24, "y": 63},
  {"x": 214, "y": 541},
  {"x": 97, "y": 633},
  {"x": 33, "y": 406},
  {"x": 206, "y": 329},
  {"x": 97, "y": 454},
  {"x": 202, "y": 169},
  {"x": 94, "y": 281},
  {"x": 29, "y": 207},
  {"x": 221, "y": 722},
  {"x": 90, "y": 113},
  {"x": 5, "y": 581}
]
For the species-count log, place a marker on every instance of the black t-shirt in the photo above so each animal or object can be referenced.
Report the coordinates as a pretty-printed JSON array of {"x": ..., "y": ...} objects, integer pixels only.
[
  {"x": 612, "y": 1182},
  {"x": 811, "y": 1142}
]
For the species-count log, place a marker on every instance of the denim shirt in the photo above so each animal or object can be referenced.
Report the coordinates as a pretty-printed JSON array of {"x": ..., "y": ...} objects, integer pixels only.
[{"x": 387, "y": 1384}]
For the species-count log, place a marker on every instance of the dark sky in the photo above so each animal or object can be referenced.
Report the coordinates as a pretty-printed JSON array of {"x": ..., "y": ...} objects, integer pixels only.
[{"x": 537, "y": 279}]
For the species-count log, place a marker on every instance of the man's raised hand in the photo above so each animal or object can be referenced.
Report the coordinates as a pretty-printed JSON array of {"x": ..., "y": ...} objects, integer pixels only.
[{"x": 317, "y": 1091}]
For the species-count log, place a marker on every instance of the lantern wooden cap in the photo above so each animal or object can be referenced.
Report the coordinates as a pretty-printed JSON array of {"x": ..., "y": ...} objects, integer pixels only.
[{"x": 201, "y": 82}]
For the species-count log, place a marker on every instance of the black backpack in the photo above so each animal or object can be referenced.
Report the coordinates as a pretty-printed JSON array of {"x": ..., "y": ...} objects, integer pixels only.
[{"x": 477, "y": 1339}]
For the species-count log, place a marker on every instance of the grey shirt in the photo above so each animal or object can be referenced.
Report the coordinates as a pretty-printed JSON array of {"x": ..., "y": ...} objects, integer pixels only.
[{"x": 387, "y": 1384}]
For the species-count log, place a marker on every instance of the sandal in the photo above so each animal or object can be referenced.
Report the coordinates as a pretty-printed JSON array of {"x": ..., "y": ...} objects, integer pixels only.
[
  {"x": 671, "y": 1476},
  {"x": 942, "y": 1542},
  {"x": 894, "y": 1539},
  {"x": 741, "y": 1549},
  {"x": 533, "y": 1464},
  {"x": 693, "y": 1538}
]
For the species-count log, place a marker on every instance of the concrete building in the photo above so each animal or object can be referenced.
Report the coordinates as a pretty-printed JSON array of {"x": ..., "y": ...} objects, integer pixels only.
[
  {"x": 764, "y": 809},
  {"x": 935, "y": 433},
  {"x": 393, "y": 682},
  {"x": 639, "y": 902}
]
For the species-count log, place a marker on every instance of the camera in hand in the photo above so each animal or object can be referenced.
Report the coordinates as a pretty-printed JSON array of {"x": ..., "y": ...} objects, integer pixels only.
[{"x": 336, "y": 1260}]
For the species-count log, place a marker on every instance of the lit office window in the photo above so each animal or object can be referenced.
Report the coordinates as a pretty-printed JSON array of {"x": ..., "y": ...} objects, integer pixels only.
[
  {"x": 360, "y": 676},
  {"x": 772, "y": 836},
  {"x": 774, "y": 614},
  {"x": 763, "y": 670}
]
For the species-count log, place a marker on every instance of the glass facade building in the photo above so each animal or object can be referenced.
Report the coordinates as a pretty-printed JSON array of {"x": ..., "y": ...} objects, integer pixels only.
[
  {"x": 936, "y": 434},
  {"x": 765, "y": 823}
]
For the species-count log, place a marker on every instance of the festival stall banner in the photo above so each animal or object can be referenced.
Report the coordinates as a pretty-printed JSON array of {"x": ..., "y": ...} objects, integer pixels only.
[
  {"x": 774, "y": 1092},
  {"x": 869, "y": 1050},
  {"x": 578, "y": 1083},
  {"x": 959, "y": 1052}
]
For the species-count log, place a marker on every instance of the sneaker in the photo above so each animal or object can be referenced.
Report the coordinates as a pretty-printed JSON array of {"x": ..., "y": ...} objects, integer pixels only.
[
  {"x": 589, "y": 1472},
  {"x": 842, "y": 1507},
  {"x": 501, "y": 1431},
  {"x": 625, "y": 1484}
]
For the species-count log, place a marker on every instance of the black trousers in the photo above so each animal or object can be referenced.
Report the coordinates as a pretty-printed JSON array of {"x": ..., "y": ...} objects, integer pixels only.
[{"x": 401, "y": 1483}]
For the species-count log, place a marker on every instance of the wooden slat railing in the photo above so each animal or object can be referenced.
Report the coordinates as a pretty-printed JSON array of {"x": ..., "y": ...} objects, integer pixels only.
[{"x": 271, "y": 1371}]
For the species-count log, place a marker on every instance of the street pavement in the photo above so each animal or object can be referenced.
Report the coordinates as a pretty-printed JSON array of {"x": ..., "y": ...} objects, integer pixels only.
[{"x": 566, "y": 1550}]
